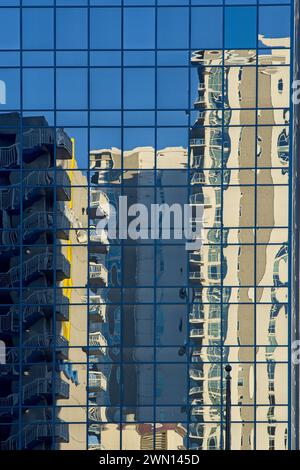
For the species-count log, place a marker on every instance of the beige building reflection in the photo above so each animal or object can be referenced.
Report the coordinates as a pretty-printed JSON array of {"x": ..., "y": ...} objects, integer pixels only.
[{"x": 235, "y": 309}]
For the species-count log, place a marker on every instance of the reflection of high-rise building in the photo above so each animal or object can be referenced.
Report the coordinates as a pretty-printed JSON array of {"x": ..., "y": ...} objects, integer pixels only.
[
  {"x": 147, "y": 281},
  {"x": 239, "y": 170},
  {"x": 40, "y": 322}
]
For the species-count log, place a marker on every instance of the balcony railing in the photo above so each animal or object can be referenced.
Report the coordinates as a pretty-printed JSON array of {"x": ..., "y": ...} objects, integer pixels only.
[
  {"x": 10, "y": 199},
  {"x": 10, "y": 400},
  {"x": 100, "y": 201},
  {"x": 45, "y": 220},
  {"x": 98, "y": 272},
  {"x": 45, "y": 344},
  {"x": 9, "y": 156},
  {"x": 198, "y": 178},
  {"x": 197, "y": 314},
  {"x": 97, "y": 307},
  {"x": 41, "y": 301},
  {"x": 97, "y": 343},
  {"x": 197, "y": 333},
  {"x": 39, "y": 263},
  {"x": 98, "y": 312},
  {"x": 43, "y": 386},
  {"x": 10, "y": 322},
  {"x": 98, "y": 381},
  {"x": 200, "y": 199},
  {"x": 196, "y": 374},
  {"x": 33, "y": 138},
  {"x": 198, "y": 142},
  {"x": 196, "y": 276},
  {"x": 46, "y": 136},
  {"x": 37, "y": 222},
  {"x": 35, "y": 183},
  {"x": 98, "y": 236},
  {"x": 35, "y": 433},
  {"x": 195, "y": 390}
]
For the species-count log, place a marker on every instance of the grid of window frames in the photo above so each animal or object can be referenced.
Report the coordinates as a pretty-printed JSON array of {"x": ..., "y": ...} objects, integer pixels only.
[{"x": 114, "y": 343}]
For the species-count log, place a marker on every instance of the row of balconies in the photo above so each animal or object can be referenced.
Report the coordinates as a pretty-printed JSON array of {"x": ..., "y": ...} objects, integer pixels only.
[
  {"x": 34, "y": 434},
  {"x": 35, "y": 266},
  {"x": 42, "y": 345},
  {"x": 45, "y": 387},
  {"x": 34, "y": 186},
  {"x": 33, "y": 391},
  {"x": 32, "y": 142},
  {"x": 36, "y": 223},
  {"x": 10, "y": 322}
]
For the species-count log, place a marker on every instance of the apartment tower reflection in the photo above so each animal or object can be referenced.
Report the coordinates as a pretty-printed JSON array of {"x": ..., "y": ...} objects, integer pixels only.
[
  {"x": 40, "y": 321},
  {"x": 114, "y": 343}
]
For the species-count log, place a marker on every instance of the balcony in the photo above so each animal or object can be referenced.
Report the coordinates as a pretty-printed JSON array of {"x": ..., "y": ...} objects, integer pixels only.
[
  {"x": 198, "y": 142},
  {"x": 41, "y": 263},
  {"x": 97, "y": 310},
  {"x": 97, "y": 414},
  {"x": 97, "y": 381},
  {"x": 196, "y": 431},
  {"x": 10, "y": 199},
  {"x": 36, "y": 182},
  {"x": 101, "y": 160},
  {"x": 64, "y": 146},
  {"x": 200, "y": 199},
  {"x": 42, "y": 387},
  {"x": 201, "y": 100},
  {"x": 195, "y": 391},
  {"x": 197, "y": 333},
  {"x": 36, "y": 223},
  {"x": 197, "y": 277},
  {"x": 63, "y": 186},
  {"x": 33, "y": 434},
  {"x": 35, "y": 139},
  {"x": 35, "y": 185},
  {"x": 9, "y": 401},
  {"x": 195, "y": 258},
  {"x": 10, "y": 370},
  {"x": 44, "y": 221},
  {"x": 42, "y": 346},
  {"x": 9, "y": 156},
  {"x": 197, "y": 314},
  {"x": 99, "y": 203},
  {"x": 198, "y": 178},
  {"x": 97, "y": 344},
  {"x": 10, "y": 322},
  {"x": 196, "y": 374},
  {"x": 98, "y": 274},
  {"x": 40, "y": 304},
  {"x": 98, "y": 240}
]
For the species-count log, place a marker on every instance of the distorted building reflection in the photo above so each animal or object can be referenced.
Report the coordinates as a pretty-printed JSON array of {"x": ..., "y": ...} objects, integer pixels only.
[
  {"x": 116, "y": 343},
  {"x": 41, "y": 234}
]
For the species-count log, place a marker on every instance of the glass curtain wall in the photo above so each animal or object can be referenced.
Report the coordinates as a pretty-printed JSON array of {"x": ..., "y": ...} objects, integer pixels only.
[{"x": 121, "y": 343}]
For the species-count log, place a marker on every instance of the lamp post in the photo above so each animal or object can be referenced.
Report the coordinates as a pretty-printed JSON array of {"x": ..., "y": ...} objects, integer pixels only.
[{"x": 228, "y": 369}]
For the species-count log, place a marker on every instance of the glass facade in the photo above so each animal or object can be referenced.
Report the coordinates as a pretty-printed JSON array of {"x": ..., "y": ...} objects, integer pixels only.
[{"x": 114, "y": 342}]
